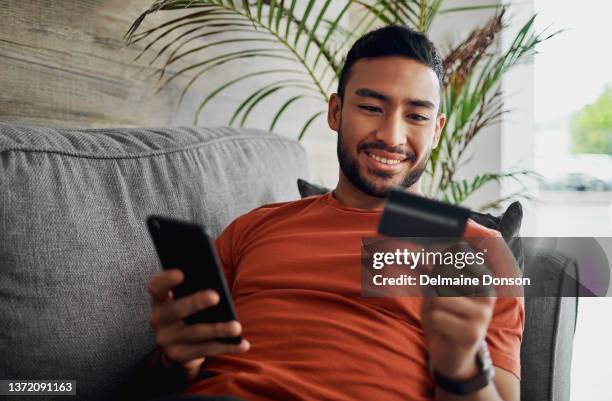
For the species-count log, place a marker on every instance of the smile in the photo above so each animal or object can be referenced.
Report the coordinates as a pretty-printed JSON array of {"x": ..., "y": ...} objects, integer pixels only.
[{"x": 383, "y": 160}]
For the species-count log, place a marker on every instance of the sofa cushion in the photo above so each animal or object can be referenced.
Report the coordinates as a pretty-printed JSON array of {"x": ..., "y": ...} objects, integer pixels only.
[{"x": 75, "y": 255}]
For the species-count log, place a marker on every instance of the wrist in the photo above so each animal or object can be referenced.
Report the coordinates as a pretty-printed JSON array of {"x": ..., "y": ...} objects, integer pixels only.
[
  {"x": 467, "y": 369},
  {"x": 467, "y": 380},
  {"x": 459, "y": 365}
]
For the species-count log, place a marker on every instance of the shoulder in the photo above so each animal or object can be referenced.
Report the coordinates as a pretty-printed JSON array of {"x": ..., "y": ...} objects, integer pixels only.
[
  {"x": 275, "y": 212},
  {"x": 272, "y": 210}
]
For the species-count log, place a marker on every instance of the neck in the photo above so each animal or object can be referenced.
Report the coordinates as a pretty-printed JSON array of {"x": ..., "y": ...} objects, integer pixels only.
[{"x": 352, "y": 196}]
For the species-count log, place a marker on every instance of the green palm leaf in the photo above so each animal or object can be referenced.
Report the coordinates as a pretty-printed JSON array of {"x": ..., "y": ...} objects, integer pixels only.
[
  {"x": 226, "y": 85},
  {"x": 263, "y": 16},
  {"x": 301, "y": 83},
  {"x": 228, "y": 57},
  {"x": 268, "y": 92},
  {"x": 313, "y": 44},
  {"x": 309, "y": 123},
  {"x": 284, "y": 107},
  {"x": 177, "y": 57},
  {"x": 475, "y": 105},
  {"x": 182, "y": 44}
]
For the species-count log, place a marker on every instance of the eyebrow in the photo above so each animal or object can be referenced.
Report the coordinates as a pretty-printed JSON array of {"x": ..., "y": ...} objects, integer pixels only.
[{"x": 365, "y": 92}]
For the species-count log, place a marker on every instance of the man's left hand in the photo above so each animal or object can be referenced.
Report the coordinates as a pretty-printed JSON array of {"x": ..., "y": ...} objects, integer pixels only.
[{"x": 454, "y": 329}]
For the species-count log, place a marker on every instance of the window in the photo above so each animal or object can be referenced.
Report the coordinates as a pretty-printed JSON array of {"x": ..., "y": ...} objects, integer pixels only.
[{"x": 573, "y": 83}]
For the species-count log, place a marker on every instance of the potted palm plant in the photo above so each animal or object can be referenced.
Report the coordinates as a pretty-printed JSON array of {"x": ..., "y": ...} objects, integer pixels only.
[{"x": 314, "y": 42}]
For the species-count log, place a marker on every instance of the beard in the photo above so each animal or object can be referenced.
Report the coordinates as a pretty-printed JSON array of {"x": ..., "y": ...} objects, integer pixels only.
[{"x": 376, "y": 187}]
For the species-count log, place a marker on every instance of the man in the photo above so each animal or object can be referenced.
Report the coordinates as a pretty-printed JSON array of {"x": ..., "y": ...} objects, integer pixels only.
[{"x": 293, "y": 269}]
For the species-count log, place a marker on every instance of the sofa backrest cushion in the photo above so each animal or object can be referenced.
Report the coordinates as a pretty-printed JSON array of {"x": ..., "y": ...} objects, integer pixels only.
[{"x": 75, "y": 255}]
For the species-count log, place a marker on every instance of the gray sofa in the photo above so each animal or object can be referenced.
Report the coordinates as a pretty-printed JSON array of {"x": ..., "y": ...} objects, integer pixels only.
[{"x": 75, "y": 256}]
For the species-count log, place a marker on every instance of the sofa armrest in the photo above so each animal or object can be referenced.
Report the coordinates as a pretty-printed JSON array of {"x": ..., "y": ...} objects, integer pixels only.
[{"x": 550, "y": 322}]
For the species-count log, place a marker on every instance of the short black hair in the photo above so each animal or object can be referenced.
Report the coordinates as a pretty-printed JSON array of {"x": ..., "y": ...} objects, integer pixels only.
[{"x": 392, "y": 40}]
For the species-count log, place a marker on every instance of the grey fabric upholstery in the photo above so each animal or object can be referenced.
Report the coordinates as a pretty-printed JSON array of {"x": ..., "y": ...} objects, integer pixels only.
[
  {"x": 550, "y": 322},
  {"x": 75, "y": 256}
]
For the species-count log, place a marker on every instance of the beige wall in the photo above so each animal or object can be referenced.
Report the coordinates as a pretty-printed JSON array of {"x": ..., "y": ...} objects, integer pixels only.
[{"x": 64, "y": 64}]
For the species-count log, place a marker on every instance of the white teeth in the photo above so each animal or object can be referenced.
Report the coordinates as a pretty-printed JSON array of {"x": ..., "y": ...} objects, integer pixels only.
[{"x": 383, "y": 160}]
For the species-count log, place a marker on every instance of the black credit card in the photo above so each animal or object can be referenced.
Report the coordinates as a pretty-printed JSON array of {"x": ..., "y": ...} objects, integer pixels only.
[{"x": 409, "y": 215}]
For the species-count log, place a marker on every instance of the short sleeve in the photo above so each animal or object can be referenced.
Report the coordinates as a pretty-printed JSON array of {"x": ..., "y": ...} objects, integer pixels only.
[
  {"x": 230, "y": 243},
  {"x": 225, "y": 249},
  {"x": 506, "y": 333}
]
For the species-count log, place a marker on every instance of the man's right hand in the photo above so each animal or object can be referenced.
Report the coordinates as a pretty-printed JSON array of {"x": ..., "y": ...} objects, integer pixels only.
[{"x": 182, "y": 344}]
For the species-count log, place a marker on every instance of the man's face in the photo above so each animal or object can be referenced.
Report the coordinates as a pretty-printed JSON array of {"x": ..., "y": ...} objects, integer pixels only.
[{"x": 387, "y": 124}]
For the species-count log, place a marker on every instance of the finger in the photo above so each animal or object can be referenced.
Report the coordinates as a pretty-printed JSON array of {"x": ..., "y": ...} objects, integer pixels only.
[
  {"x": 181, "y": 308},
  {"x": 181, "y": 334},
  {"x": 475, "y": 233},
  {"x": 161, "y": 284},
  {"x": 480, "y": 308},
  {"x": 486, "y": 240},
  {"x": 168, "y": 335},
  {"x": 451, "y": 326},
  {"x": 433, "y": 301},
  {"x": 499, "y": 261},
  {"x": 186, "y": 353},
  {"x": 198, "y": 333}
]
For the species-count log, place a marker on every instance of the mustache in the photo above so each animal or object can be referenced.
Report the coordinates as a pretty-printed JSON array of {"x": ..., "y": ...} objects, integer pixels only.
[{"x": 399, "y": 150}]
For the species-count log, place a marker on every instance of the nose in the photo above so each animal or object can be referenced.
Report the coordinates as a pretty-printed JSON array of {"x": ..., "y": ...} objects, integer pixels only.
[{"x": 392, "y": 130}]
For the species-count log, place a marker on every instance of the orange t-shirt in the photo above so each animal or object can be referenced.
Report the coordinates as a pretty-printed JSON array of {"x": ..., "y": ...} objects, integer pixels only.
[{"x": 294, "y": 273}]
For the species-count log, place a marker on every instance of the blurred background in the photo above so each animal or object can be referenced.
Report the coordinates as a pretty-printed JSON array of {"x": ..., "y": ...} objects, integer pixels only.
[
  {"x": 573, "y": 152},
  {"x": 573, "y": 120}
]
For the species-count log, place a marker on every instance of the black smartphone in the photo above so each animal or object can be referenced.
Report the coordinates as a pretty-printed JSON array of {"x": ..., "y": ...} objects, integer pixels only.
[
  {"x": 408, "y": 215},
  {"x": 187, "y": 246}
]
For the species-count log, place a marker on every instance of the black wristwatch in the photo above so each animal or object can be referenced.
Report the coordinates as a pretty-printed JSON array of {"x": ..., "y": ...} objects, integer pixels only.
[{"x": 479, "y": 381}]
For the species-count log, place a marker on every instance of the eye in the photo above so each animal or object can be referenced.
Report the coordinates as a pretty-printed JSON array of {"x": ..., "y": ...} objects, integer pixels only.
[
  {"x": 417, "y": 117},
  {"x": 371, "y": 109}
]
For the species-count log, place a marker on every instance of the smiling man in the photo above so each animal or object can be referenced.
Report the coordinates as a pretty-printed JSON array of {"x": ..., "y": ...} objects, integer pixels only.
[
  {"x": 386, "y": 113},
  {"x": 293, "y": 270}
]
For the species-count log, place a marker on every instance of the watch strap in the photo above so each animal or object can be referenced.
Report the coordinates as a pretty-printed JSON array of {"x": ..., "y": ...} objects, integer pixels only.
[{"x": 477, "y": 382}]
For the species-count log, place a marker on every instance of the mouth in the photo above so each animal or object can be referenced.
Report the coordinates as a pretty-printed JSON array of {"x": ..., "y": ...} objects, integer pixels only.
[{"x": 385, "y": 161}]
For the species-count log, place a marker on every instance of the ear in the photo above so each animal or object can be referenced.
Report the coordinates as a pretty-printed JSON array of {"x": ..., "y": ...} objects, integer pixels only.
[
  {"x": 441, "y": 120},
  {"x": 334, "y": 109}
]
